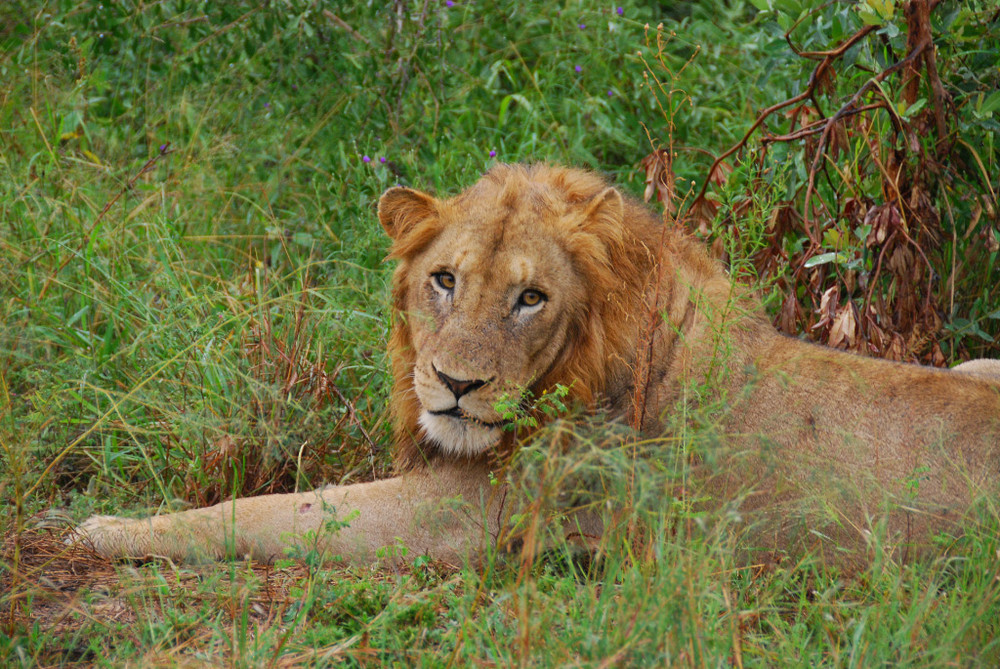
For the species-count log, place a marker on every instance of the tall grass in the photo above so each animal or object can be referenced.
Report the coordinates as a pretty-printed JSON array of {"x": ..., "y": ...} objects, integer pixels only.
[{"x": 193, "y": 302}]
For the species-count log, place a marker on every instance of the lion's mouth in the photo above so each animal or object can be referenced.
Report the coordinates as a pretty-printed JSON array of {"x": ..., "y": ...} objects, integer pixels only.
[{"x": 458, "y": 413}]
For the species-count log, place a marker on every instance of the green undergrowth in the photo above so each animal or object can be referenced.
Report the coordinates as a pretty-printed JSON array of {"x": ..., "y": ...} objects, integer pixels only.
[{"x": 193, "y": 305}]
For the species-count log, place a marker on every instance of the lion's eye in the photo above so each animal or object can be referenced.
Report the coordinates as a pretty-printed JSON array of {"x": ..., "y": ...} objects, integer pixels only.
[
  {"x": 531, "y": 298},
  {"x": 444, "y": 280}
]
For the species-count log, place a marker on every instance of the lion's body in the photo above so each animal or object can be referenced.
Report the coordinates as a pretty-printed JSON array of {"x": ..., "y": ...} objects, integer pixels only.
[
  {"x": 987, "y": 369},
  {"x": 542, "y": 276}
]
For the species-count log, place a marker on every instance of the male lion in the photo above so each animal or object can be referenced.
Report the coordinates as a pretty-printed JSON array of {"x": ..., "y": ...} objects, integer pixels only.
[{"x": 537, "y": 276}]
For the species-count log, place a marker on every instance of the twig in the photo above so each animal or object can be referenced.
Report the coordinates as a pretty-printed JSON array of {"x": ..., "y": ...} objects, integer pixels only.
[
  {"x": 814, "y": 79},
  {"x": 813, "y": 55},
  {"x": 164, "y": 150},
  {"x": 816, "y": 127},
  {"x": 841, "y": 113},
  {"x": 131, "y": 182},
  {"x": 354, "y": 416},
  {"x": 343, "y": 24}
]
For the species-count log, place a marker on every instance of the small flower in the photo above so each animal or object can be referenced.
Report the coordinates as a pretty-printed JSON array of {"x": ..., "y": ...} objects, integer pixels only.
[
  {"x": 366, "y": 159},
  {"x": 382, "y": 159},
  {"x": 578, "y": 69},
  {"x": 163, "y": 147},
  {"x": 493, "y": 153},
  {"x": 611, "y": 93},
  {"x": 449, "y": 4},
  {"x": 583, "y": 26},
  {"x": 621, "y": 11},
  {"x": 267, "y": 105}
]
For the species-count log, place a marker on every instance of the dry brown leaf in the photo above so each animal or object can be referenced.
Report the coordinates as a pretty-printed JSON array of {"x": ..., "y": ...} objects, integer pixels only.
[
  {"x": 896, "y": 347},
  {"x": 718, "y": 250},
  {"x": 702, "y": 212},
  {"x": 885, "y": 220},
  {"x": 838, "y": 142},
  {"x": 803, "y": 114},
  {"x": 784, "y": 219},
  {"x": 827, "y": 306},
  {"x": 826, "y": 82},
  {"x": 660, "y": 179},
  {"x": 850, "y": 280},
  {"x": 937, "y": 356},
  {"x": 853, "y": 211},
  {"x": 790, "y": 316},
  {"x": 901, "y": 262},
  {"x": 720, "y": 174},
  {"x": 875, "y": 335},
  {"x": 844, "y": 331}
]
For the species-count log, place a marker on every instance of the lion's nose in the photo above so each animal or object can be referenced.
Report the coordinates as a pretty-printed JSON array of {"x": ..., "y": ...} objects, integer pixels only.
[{"x": 460, "y": 388}]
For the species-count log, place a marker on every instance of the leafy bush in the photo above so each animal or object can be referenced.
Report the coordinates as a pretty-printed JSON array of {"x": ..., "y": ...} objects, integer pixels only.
[{"x": 883, "y": 236}]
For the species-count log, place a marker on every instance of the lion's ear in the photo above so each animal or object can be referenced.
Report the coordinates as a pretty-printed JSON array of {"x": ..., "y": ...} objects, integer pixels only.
[
  {"x": 607, "y": 207},
  {"x": 603, "y": 215},
  {"x": 598, "y": 241},
  {"x": 400, "y": 209}
]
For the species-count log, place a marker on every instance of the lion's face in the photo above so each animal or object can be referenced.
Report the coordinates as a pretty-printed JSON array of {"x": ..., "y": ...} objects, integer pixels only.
[
  {"x": 487, "y": 319},
  {"x": 492, "y": 295}
]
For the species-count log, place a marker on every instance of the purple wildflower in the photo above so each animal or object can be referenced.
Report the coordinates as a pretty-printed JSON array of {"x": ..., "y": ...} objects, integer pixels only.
[
  {"x": 578, "y": 69},
  {"x": 366, "y": 159},
  {"x": 382, "y": 159},
  {"x": 621, "y": 11},
  {"x": 163, "y": 147},
  {"x": 449, "y": 4},
  {"x": 611, "y": 93},
  {"x": 493, "y": 154},
  {"x": 267, "y": 105},
  {"x": 583, "y": 26}
]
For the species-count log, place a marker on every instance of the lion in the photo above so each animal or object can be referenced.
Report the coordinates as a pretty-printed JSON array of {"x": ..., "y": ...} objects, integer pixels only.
[
  {"x": 988, "y": 369},
  {"x": 538, "y": 277}
]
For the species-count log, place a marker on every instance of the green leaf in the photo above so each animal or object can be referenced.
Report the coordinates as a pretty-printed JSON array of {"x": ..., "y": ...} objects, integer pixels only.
[
  {"x": 504, "y": 104},
  {"x": 910, "y": 112},
  {"x": 990, "y": 104},
  {"x": 884, "y": 8},
  {"x": 824, "y": 258},
  {"x": 790, "y": 7},
  {"x": 868, "y": 15}
]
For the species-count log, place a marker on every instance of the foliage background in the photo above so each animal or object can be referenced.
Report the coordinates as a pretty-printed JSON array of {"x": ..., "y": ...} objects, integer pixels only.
[{"x": 193, "y": 296}]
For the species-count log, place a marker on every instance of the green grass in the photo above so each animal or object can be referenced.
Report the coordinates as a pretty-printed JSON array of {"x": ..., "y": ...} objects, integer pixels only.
[{"x": 193, "y": 305}]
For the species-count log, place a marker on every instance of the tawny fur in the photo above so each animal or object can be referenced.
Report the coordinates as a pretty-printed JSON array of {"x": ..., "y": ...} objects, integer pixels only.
[
  {"x": 989, "y": 369},
  {"x": 820, "y": 448}
]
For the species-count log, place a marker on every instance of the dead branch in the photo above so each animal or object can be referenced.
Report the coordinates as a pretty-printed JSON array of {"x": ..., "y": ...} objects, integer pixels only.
[
  {"x": 841, "y": 113},
  {"x": 817, "y": 126},
  {"x": 814, "y": 78}
]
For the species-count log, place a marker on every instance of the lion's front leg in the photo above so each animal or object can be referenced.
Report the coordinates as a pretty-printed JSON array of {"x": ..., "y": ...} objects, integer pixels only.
[{"x": 444, "y": 512}]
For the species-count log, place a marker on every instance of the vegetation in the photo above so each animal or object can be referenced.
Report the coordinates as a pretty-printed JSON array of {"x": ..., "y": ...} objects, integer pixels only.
[{"x": 193, "y": 303}]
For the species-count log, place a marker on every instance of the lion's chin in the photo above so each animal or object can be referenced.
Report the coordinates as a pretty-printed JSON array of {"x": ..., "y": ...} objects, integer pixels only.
[{"x": 456, "y": 436}]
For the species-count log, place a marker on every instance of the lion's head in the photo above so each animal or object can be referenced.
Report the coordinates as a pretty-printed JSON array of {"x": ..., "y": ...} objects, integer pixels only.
[{"x": 523, "y": 281}]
